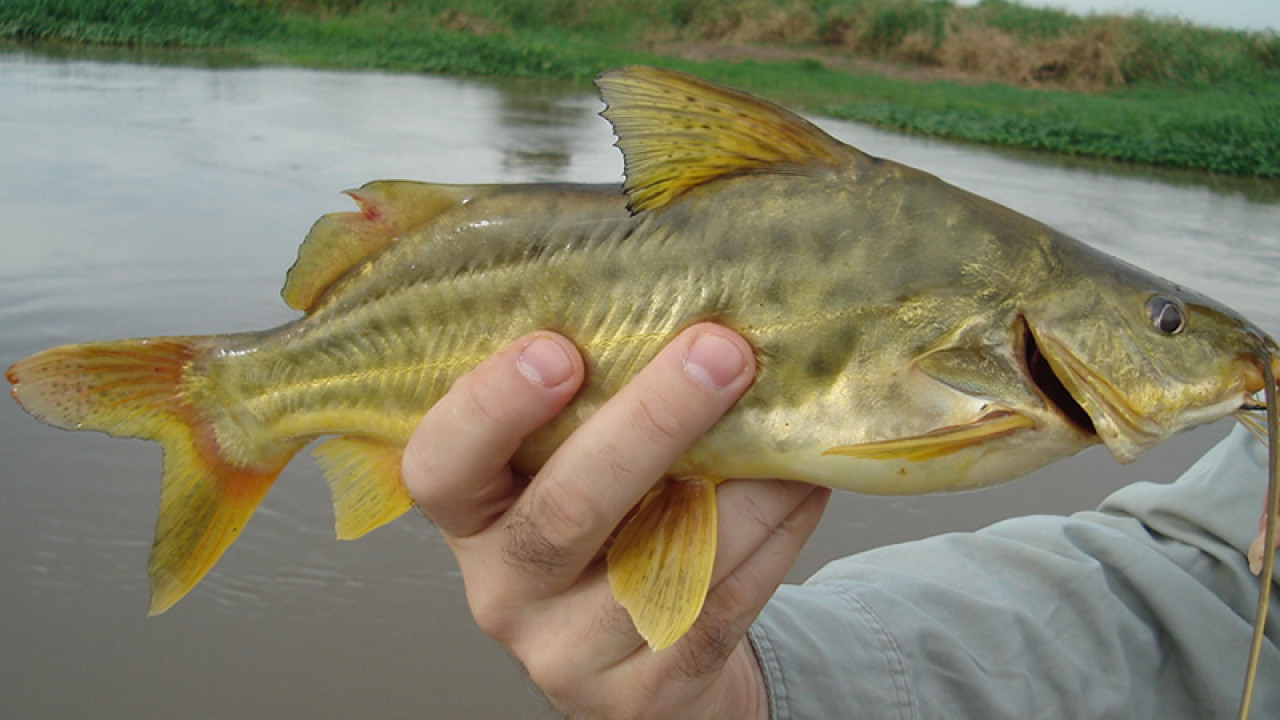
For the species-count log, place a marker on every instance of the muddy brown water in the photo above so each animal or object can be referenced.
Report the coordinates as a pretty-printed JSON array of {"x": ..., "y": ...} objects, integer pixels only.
[{"x": 147, "y": 199}]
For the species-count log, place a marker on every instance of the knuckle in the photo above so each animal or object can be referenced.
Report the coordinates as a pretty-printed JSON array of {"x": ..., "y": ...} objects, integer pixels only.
[
  {"x": 493, "y": 616},
  {"x": 549, "y": 672},
  {"x": 739, "y": 589},
  {"x": 705, "y": 649},
  {"x": 479, "y": 402},
  {"x": 545, "y": 534},
  {"x": 418, "y": 475},
  {"x": 525, "y": 545},
  {"x": 431, "y": 484},
  {"x": 657, "y": 422},
  {"x": 752, "y": 510},
  {"x": 613, "y": 621}
]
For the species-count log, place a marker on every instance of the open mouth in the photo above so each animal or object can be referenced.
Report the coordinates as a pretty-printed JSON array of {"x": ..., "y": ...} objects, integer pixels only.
[{"x": 1051, "y": 386}]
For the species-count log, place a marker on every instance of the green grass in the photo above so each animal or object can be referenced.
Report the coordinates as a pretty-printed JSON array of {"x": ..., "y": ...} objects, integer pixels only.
[
  {"x": 188, "y": 23},
  {"x": 391, "y": 44},
  {"x": 1222, "y": 130},
  {"x": 1172, "y": 94}
]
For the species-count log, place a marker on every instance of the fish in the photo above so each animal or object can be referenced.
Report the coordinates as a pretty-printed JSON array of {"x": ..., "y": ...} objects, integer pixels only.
[{"x": 910, "y": 337}]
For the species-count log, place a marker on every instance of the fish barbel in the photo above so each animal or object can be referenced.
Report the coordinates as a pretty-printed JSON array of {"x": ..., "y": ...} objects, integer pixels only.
[{"x": 911, "y": 337}]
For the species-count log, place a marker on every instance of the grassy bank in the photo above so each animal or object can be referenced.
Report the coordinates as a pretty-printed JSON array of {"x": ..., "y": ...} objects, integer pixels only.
[{"x": 1135, "y": 89}]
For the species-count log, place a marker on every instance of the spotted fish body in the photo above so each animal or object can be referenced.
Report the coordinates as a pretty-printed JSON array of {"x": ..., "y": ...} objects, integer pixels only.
[{"x": 911, "y": 336}]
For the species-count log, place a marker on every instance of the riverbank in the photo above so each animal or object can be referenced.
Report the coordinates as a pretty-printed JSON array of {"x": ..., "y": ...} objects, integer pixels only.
[{"x": 1141, "y": 90}]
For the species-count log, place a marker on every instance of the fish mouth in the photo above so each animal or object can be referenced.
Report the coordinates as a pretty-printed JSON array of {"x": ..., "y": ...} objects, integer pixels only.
[
  {"x": 1052, "y": 387},
  {"x": 1256, "y": 384},
  {"x": 1090, "y": 403}
]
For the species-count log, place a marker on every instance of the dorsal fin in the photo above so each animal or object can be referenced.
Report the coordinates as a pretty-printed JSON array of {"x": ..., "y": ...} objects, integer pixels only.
[
  {"x": 677, "y": 131},
  {"x": 340, "y": 241}
]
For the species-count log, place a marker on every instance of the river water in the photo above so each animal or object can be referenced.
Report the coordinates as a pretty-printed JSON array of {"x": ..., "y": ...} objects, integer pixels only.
[{"x": 142, "y": 199}]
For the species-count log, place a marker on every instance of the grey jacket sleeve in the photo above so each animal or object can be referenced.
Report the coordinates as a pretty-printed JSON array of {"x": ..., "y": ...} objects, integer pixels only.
[{"x": 1141, "y": 609}]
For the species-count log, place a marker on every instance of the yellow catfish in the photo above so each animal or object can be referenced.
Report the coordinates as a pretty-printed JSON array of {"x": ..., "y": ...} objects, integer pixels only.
[{"x": 911, "y": 337}]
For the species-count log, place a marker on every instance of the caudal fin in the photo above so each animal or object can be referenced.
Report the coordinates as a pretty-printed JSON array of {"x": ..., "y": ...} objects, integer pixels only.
[{"x": 133, "y": 388}]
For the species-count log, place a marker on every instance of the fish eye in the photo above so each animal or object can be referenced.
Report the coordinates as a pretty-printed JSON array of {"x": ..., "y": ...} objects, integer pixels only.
[{"x": 1166, "y": 315}]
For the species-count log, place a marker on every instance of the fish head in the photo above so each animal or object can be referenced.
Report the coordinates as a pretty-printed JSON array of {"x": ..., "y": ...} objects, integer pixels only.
[{"x": 1136, "y": 359}]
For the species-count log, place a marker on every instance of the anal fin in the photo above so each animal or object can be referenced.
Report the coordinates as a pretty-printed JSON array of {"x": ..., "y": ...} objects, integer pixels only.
[
  {"x": 940, "y": 442},
  {"x": 364, "y": 477},
  {"x": 660, "y": 563}
]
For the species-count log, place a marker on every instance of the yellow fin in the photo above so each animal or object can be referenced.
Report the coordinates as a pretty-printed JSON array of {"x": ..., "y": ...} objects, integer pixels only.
[
  {"x": 677, "y": 131},
  {"x": 132, "y": 388},
  {"x": 937, "y": 443},
  {"x": 340, "y": 241},
  {"x": 204, "y": 505},
  {"x": 364, "y": 476},
  {"x": 660, "y": 563}
]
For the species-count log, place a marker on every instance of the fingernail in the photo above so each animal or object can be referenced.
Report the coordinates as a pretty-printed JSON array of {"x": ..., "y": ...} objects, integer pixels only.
[
  {"x": 544, "y": 363},
  {"x": 713, "y": 361}
]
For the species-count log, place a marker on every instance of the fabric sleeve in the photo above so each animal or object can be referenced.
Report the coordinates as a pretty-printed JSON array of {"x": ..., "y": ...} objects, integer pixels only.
[{"x": 1140, "y": 609}]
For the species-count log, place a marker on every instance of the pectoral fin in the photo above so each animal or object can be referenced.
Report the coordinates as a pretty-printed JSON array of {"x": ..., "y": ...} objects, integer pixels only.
[
  {"x": 660, "y": 563},
  {"x": 940, "y": 442}
]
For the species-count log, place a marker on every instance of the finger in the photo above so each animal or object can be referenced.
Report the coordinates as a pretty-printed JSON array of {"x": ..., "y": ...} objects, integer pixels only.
[
  {"x": 750, "y": 511},
  {"x": 455, "y": 465},
  {"x": 601, "y": 471}
]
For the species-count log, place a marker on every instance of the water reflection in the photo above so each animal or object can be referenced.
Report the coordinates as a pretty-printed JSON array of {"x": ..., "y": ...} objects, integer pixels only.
[
  {"x": 210, "y": 59},
  {"x": 143, "y": 200},
  {"x": 543, "y": 129}
]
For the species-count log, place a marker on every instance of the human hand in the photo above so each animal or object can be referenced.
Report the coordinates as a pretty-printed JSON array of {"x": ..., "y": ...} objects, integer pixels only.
[{"x": 531, "y": 549}]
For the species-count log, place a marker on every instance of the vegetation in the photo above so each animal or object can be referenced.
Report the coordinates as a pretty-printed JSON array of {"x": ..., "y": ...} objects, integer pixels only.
[
  {"x": 1142, "y": 89},
  {"x": 997, "y": 39},
  {"x": 190, "y": 23}
]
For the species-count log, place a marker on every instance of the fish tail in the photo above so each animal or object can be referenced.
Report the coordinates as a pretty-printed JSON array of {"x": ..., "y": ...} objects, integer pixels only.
[{"x": 134, "y": 388}]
